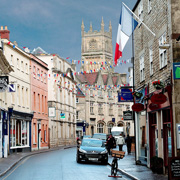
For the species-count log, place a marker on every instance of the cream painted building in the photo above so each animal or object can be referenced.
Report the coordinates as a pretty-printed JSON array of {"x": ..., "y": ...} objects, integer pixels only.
[
  {"x": 17, "y": 102},
  {"x": 61, "y": 98}
]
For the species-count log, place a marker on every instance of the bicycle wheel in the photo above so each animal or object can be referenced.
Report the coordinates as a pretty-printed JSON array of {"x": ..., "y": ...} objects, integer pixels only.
[{"x": 114, "y": 167}]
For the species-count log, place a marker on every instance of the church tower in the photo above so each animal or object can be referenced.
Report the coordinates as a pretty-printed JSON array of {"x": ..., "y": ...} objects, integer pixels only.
[{"x": 96, "y": 49}]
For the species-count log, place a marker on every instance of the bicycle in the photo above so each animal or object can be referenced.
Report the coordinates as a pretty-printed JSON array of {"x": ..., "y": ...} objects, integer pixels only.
[{"x": 114, "y": 167}]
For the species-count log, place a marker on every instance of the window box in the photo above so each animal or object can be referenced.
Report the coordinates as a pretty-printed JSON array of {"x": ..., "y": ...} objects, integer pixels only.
[{"x": 158, "y": 84}]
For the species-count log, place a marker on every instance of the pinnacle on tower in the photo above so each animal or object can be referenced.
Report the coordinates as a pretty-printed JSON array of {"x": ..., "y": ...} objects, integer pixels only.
[
  {"x": 90, "y": 27},
  {"x": 82, "y": 26},
  {"x": 110, "y": 27},
  {"x": 102, "y": 25}
]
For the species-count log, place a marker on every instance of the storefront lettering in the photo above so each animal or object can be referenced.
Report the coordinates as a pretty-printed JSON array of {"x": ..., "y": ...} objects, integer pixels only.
[{"x": 158, "y": 99}]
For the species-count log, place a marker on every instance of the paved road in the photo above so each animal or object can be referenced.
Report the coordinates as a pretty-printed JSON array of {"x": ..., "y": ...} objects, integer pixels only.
[{"x": 58, "y": 165}]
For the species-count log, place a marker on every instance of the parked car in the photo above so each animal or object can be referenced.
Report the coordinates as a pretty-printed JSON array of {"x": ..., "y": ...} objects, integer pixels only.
[
  {"x": 86, "y": 136},
  {"x": 101, "y": 136},
  {"x": 92, "y": 150}
]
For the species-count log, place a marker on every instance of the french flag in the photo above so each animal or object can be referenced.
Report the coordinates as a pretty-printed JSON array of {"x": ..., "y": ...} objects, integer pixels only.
[{"x": 127, "y": 24}]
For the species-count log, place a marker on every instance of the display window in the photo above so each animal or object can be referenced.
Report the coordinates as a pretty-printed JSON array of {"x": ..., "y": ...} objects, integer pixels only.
[{"x": 19, "y": 133}]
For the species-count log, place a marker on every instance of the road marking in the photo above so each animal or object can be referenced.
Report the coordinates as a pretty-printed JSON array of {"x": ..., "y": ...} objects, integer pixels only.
[{"x": 17, "y": 167}]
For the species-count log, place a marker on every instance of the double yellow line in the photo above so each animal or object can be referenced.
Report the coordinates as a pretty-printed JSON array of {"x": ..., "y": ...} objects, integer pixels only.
[{"x": 17, "y": 167}]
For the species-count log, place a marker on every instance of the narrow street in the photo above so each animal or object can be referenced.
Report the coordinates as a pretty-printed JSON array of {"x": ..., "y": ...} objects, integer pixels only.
[{"x": 60, "y": 164}]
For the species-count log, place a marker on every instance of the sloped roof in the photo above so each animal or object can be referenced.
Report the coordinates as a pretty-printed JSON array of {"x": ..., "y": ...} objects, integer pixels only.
[
  {"x": 79, "y": 92},
  {"x": 39, "y": 50},
  {"x": 91, "y": 78},
  {"x": 114, "y": 78},
  {"x": 105, "y": 77}
]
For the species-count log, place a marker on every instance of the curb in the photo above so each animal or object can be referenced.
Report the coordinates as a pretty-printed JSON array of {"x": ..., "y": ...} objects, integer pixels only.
[
  {"x": 125, "y": 173},
  {"x": 34, "y": 153}
]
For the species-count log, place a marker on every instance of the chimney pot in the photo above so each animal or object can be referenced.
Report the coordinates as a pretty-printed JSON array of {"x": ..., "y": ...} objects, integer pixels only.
[
  {"x": 1, "y": 27},
  {"x": 5, "y": 27}
]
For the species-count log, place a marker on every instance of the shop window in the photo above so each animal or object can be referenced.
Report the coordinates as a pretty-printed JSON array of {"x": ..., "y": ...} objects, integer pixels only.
[{"x": 18, "y": 133}]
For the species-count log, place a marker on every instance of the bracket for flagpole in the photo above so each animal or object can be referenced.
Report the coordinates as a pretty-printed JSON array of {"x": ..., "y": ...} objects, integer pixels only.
[{"x": 139, "y": 19}]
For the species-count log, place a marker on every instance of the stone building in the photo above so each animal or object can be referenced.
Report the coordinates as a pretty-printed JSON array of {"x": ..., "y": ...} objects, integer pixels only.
[
  {"x": 61, "y": 98},
  {"x": 156, "y": 125},
  {"x": 100, "y": 84}
]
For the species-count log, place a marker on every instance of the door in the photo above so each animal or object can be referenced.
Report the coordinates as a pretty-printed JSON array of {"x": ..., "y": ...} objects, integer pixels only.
[
  {"x": 39, "y": 136},
  {"x": 92, "y": 130}
]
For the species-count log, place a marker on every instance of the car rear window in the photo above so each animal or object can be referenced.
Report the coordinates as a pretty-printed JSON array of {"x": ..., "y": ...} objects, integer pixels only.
[
  {"x": 92, "y": 143},
  {"x": 99, "y": 136}
]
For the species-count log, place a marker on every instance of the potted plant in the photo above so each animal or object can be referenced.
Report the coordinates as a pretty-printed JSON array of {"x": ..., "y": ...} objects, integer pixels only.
[
  {"x": 158, "y": 84},
  {"x": 157, "y": 164},
  {"x": 137, "y": 94}
]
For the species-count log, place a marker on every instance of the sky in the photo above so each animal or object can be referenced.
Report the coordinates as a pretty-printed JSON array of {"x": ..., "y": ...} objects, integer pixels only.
[{"x": 55, "y": 25}]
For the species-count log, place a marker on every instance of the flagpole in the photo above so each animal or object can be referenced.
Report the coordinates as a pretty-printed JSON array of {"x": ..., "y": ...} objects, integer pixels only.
[{"x": 139, "y": 19}]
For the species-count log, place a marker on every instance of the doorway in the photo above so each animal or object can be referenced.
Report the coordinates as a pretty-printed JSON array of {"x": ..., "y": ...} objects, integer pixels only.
[{"x": 92, "y": 130}]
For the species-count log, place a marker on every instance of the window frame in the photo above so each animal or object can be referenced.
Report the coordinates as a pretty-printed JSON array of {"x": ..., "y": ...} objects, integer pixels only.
[
  {"x": 162, "y": 52},
  {"x": 151, "y": 61},
  {"x": 142, "y": 69}
]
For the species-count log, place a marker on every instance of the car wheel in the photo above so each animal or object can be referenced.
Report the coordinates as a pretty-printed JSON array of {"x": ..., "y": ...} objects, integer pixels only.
[{"x": 77, "y": 159}]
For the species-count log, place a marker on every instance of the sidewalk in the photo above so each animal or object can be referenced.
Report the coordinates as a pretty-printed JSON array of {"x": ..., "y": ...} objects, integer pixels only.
[
  {"x": 7, "y": 163},
  {"x": 128, "y": 167}
]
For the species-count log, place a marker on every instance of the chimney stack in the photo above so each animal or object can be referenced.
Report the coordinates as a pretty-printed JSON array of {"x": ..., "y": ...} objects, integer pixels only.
[{"x": 4, "y": 33}]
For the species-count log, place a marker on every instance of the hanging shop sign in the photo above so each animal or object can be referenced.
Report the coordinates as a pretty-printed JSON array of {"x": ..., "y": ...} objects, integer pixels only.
[
  {"x": 4, "y": 81},
  {"x": 176, "y": 70},
  {"x": 153, "y": 106},
  {"x": 158, "y": 99},
  {"x": 62, "y": 115},
  {"x": 125, "y": 95},
  {"x": 127, "y": 115},
  {"x": 52, "y": 112},
  {"x": 137, "y": 107}
]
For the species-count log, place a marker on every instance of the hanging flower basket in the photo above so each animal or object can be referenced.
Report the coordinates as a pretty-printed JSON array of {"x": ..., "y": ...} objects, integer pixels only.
[
  {"x": 137, "y": 94},
  {"x": 158, "y": 84}
]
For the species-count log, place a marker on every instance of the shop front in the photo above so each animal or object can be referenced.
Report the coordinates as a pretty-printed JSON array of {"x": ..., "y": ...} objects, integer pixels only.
[
  {"x": 20, "y": 131},
  {"x": 3, "y": 132},
  {"x": 160, "y": 125}
]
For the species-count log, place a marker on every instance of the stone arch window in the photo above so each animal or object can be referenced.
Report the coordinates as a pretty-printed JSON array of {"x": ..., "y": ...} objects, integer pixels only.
[
  {"x": 100, "y": 128},
  {"x": 93, "y": 44},
  {"x": 120, "y": 124},
  {"x": 110, "y": 125}
]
